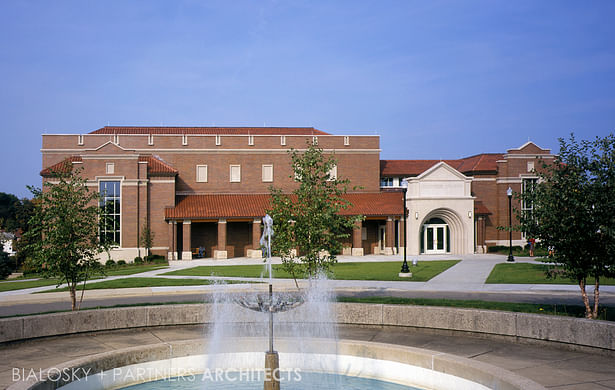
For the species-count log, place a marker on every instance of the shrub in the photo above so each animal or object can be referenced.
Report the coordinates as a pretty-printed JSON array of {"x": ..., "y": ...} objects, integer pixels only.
[
  {"x": 110, "y": 263},
  {"x": 121, "y": 262},
  {"x": 501, "y": 249},
  {"x": 157, "y": 259},
  {"x": 7, "y": 265},
  {"x": 138, "y": 260}
]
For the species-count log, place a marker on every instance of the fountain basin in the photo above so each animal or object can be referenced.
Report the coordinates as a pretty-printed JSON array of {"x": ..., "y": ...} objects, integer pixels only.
[{"x": 398, "y": 364}]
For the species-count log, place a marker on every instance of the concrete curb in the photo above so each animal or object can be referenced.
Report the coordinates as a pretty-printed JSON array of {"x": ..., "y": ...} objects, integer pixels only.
[{"x": 552, "y": 329}]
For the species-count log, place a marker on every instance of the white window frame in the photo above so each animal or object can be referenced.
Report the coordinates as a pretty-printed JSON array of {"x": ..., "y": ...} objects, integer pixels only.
[
  {"x": 150, "y": 139},
  {"x": 218, "y": 140},
  {"x": 314, "y": 140},
  {"x": 346, "y": 140},
  {"x": 110, "y": 168},
  {"x": 530, "y": 166},
  {"x": 263, "y": 170},
  {"x": 283, "y": 140},
  {"x": 524, "y": 207},
  {"x": 184, "y": 139},
  {"x": 199, "y": 171},
  {"x": 251, "y": 140},
  {"x": 237, "y": 166},
  {"x": 80, "y": 139}
]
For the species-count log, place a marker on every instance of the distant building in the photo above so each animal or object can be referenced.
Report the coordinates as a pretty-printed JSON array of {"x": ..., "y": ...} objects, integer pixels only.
[
  {"x": 204, "y": 190},
  {"x": 7, "y": 240}
]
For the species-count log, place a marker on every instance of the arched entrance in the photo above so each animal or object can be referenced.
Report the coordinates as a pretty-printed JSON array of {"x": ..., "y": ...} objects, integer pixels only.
[{"x": 442, "y": 232}]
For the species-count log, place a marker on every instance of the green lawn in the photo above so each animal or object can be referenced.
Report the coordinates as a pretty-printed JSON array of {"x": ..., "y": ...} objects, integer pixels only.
[
  {"x": 606, "y": 313},
  {"x": 341, "y": 271},
  {"x": 11, "y": 285},
  {"x": 524, "y": 273},
  {"x": 126, "y": 270},
  {"x": 140, "y": 282}
]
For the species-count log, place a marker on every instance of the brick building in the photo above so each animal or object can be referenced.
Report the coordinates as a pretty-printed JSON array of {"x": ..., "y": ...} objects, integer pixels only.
[
  {"x": 456, "y": 206},
  {"x": 203, "y": 190}
]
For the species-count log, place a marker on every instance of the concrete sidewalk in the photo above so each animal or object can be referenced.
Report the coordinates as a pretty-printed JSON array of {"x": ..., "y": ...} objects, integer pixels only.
[{"x": 468, "y": 276}]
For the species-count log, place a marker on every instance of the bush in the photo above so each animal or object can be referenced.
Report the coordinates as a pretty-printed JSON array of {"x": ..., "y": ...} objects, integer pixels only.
[
  {"x": 110, "y": 263},
  {"x": 138, "y": 260},
  {"x": 121, "y": 262},
  {"x": 156, "y": 259},
  {"x": 7, "y": 265},
  {"x": 502, "y": 249}
]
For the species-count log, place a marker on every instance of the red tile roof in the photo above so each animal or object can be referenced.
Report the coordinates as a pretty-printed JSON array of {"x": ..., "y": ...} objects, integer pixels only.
[
  {"x": 63, "y": 166},
  {"x": 157, "y": 167},
  {"x": 255, "y": 205},
  {"x": 210, "y": 130},
  {"x": 480, "y": 208},
  {"x": 481, "y": 163}
]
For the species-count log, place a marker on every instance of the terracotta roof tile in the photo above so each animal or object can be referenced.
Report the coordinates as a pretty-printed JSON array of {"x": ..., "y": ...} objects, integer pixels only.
[
  {"x": 64, "y": 166},
  {"x": 254, "y": 205},
  {"x": 480, "y": 163},
  {"x": 210, "y": 130},
  {"x": 157, "y": 167},
  {"x": 480, "y": 208}
]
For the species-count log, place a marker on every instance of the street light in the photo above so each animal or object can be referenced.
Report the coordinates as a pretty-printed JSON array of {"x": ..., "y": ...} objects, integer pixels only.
[
  {"x": 509, "y": 193},
  {"x": 404, "y": 267}
]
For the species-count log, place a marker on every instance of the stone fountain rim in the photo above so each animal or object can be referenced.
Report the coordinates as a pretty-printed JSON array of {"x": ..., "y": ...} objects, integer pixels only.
[{"x": 475, "y": 371}]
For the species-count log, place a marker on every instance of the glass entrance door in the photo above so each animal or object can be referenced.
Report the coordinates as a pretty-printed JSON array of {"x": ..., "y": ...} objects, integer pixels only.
[{"x": 435, "y": 238}]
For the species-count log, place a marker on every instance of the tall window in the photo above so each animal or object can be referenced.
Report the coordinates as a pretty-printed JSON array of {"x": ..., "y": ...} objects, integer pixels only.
[
  {"x": 235, "y": 173},
  {"x": 110, "y": 218},
  {"x": 527, "y": 207}
]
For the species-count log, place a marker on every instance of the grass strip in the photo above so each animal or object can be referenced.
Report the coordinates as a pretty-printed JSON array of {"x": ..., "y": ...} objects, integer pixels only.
[
  {"x": 385, "y": 271},
  {"x": 143, "y": 282},
  {"x": 607, "y": 313},
  {"x": 10, "y": 285},
  {"x": 525, "y": 273}
]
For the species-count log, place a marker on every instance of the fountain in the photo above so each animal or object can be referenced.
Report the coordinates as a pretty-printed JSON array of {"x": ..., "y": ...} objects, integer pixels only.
[{"x": 271, "y": 306}]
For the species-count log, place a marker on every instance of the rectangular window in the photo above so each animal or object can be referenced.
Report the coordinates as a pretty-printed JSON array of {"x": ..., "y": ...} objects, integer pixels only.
[
  {"x": 283, "y": 140},
  {"x": 80, "y": 139},
  {"x": 530, "y": 166},
  {"x": 346, "y": 140},
  {"x": 250, "y": 140},
  {"x": 110, "y": 201},
  {"x": 110, "y": 168},
  {"x": 267, "y": 173},
  {"x": 184, "y": 139},
  {"x": 116, "y": 139},
  {"x": 150, "y": 139},
  {"x": 201, "y": 173},
  {"x": 333, "y": 173},
  {"x": 314, "y": 140},
  {"x": 218, "y": 140},
  {"x": 235, "y": 173},
  {"x": 386, "y": 182}
]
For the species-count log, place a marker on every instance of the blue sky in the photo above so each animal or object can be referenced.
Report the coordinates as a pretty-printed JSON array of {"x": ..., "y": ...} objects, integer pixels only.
[{"x": 436, "y": 79}]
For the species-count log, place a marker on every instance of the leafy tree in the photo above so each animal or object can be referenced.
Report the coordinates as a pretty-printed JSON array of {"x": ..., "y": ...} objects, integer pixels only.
[
  {"x": 147, "y": 239},
  {"x": 8, "y": 208},
  {"x": 574, "y": 213},
  {"x": 63, "y": 239},
  {"x": 6, "y": 264},
  {"x": 309, "y": 219}
]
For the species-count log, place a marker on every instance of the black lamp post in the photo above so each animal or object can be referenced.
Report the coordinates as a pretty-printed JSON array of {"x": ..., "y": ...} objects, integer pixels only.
[
  {"x": 509, "y": 194},
  {"x": 404, "y": 266}
]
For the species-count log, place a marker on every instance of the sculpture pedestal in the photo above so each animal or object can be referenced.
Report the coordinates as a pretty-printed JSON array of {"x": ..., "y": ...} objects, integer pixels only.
[{"x": 272, "y": 371}]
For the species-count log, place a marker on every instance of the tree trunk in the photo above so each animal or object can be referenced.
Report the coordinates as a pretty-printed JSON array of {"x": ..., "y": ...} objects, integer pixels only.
[
  {"x": 596, "y": 297},
  {"x": 588, "y": 309},
  {"x": 73, "y": 296}
]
